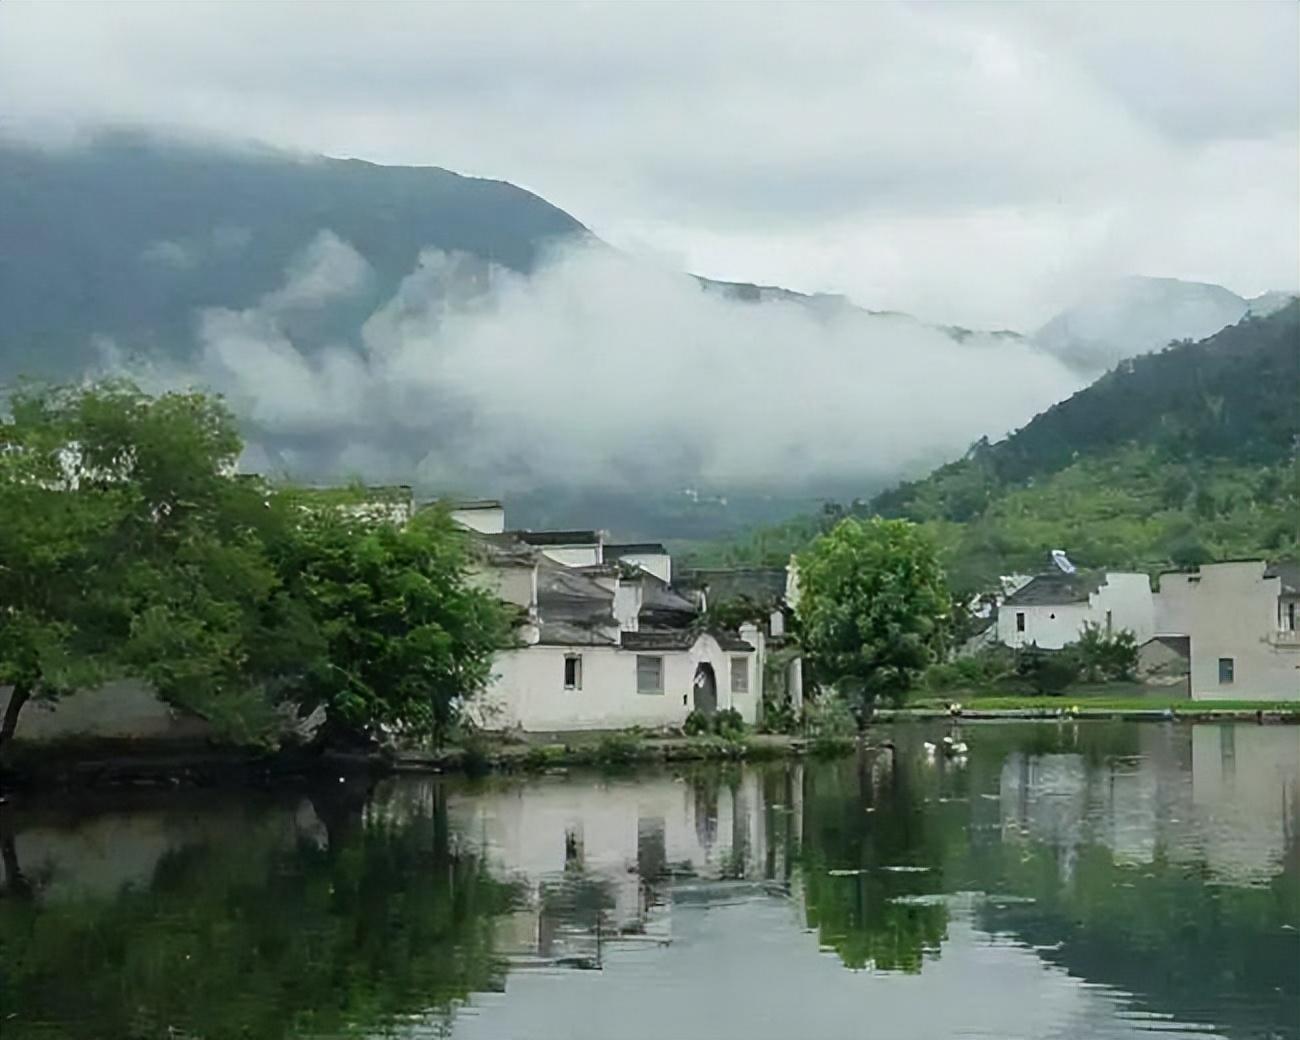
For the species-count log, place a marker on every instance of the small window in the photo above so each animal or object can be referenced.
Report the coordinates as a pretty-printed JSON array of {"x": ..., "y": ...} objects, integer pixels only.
[
  {"x": 1290, "y": 617},
  {"x": 649, "y": 674},
  {"x": 573, "y": 672},
  {"x": 1110, "y": 622},
  {"x": 1226, "y": 670},
  {"x": 740, "y": 675},
  {"x": 1020, "y": 620}
]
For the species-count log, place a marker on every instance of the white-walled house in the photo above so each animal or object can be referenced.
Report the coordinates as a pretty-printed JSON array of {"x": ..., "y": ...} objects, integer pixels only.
[
  {"x": 1241, "y": 620},
  {"x": 1051, "y": 610},
  {"x": 605, "y": 643}
]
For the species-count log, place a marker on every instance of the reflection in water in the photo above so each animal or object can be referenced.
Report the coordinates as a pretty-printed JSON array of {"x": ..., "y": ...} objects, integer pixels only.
[{"x": 1063, "y": 880}]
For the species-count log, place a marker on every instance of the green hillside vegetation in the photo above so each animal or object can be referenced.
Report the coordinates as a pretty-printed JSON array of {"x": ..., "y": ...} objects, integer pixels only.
[{"x": 1170, "y": 460}]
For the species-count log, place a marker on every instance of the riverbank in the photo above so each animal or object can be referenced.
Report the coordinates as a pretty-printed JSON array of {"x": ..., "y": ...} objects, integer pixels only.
[{"x": 155, "y": 765}]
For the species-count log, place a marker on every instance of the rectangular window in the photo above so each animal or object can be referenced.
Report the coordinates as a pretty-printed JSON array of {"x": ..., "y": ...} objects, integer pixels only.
[
  {"x": 740, "y": 675},
  {"x": 1020, "y": 620},
  {"x": 573, "y": 672},
  {"x": 1226, "y": 670},
  {"x": 1290, "y": 617},
  {"x": 649, "y": 674}
]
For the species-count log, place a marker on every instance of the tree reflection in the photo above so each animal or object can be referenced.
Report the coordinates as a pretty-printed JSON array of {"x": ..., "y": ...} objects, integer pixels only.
[{"x": 250, "y": 934}]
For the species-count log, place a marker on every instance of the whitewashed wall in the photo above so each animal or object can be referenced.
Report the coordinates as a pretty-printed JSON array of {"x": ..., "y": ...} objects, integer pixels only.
[
  {"x": 1050, "y": 627},
  {"x": 126, "y": 709},
  {"x": 658, "y": 564},
  {"x": 1124, "y": 601},
  {"x": 528, "y": 691},
  {"x": 515, "y": 585},
  {"x": 573, "y": 555},
  {"x": 1230, "y": 610},
  {"x": 484, "y": 519}
]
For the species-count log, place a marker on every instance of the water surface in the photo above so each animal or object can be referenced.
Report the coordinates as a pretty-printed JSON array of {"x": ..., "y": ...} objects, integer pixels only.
[{"x": 1063, "y": 880}]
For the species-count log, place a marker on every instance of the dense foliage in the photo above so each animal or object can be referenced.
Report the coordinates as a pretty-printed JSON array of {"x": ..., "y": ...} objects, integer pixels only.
[
  {"x": 405, "y": 638},
  {"x": 130, "y": 549},
  {"x": 872, "y": 608}
]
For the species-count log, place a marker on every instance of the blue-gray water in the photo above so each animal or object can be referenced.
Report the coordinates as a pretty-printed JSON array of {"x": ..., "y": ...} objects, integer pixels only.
[{"x": 1065, "y": 880}]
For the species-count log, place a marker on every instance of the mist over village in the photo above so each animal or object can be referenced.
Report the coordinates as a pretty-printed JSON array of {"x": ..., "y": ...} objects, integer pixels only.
[{"x": 622, "y": 520}]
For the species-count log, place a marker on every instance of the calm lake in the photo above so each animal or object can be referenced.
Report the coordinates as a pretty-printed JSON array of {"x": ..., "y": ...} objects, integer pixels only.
[{"x": 1063, "y": 880}]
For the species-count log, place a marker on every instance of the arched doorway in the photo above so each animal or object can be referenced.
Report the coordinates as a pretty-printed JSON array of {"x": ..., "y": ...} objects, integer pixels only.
[{"x": 706, "y": 690}]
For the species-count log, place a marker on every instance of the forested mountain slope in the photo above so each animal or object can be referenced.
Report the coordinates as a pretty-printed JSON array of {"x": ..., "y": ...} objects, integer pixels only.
[{"x": 1169, "y": 460}]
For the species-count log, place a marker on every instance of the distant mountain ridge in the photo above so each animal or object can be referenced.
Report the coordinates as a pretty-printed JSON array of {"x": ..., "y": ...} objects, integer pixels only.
[{"x": 1136, "y": 315}]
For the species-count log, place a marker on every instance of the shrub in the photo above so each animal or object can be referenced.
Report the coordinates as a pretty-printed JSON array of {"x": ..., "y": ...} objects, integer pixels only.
[
  {"x": 778, "y": 715},
  {"x": 543, "y": 756},
  {"x": 830, "y": 723},
  {"x": 1106, "y": 658},
  {"x": 1048, "y": 671},
  {"x": 728, "y": 724},
  {"x": 619, "y": 748}
]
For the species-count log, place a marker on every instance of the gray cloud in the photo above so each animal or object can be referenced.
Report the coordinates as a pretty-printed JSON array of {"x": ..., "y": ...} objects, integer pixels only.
[
  {"x": 974, "y": 163},
  {"x": 598, "y": 371}
]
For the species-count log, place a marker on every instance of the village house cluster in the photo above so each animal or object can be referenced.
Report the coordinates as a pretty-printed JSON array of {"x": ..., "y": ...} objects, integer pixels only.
[
  {"x": 610, "y": 636},
  {"x": 1222, "y": 631}
]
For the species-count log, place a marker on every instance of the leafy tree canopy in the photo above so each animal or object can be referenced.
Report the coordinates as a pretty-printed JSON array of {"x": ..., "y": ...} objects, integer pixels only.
[{"x": 872, "y": 607}]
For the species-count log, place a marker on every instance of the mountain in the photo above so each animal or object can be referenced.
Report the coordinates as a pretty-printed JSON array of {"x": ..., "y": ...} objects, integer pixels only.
[
  {"x": 414, "y": 325},
  {"x": 1135, "y": 315},
  {"x": 128, "y": 238},
  {"x": 1171, "y": 459}
]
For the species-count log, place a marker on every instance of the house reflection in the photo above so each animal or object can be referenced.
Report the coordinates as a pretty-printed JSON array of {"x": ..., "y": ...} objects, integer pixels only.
[{"x": 604, "y": 860}]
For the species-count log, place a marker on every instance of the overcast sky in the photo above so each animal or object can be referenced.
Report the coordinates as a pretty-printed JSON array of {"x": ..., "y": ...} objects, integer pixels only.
[{"x": 967, "y": 163}]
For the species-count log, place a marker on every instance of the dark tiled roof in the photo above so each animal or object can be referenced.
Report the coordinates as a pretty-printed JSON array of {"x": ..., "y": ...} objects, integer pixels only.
[
  {"x": 635, "y": 549},
  {"x": 502, "y": 550},
  {"x": 470, "y": 503},
  {"x": 1051, "y": 589},
  {"x": 681, "y": 639},
  {"x": 572, "y": 607},
  {"x": 562, "y": 633},
  {"x": 658, "y": 595},
  {"x": 558, "y": 537},
  {"x": 1181, "y": 645},
  {"x": 1289, "y": 572},
  {"x": 725, "y": 584}
]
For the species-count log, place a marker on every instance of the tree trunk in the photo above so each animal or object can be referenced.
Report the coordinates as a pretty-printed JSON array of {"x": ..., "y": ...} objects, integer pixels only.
[
  {"x": 22, "y": 693},
  {"x": 15, "y": 883}
]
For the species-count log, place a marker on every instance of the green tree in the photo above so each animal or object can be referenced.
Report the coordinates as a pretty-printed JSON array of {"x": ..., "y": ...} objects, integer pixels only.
[
  {"x": 1105, "y": 657},
  {"x": 872, "y": 606},
  {"x": 127, "y": 548},
  {"x": 407, "y": 639}
]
